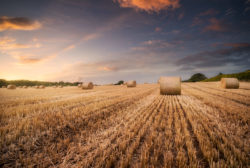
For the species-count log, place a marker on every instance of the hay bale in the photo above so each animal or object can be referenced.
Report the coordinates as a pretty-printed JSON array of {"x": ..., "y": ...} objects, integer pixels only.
[
  {"x": 170, "y": 85},
  {"x": 131, "y": 83},
  {"x": 3, "y": 86},
  {"x": 11, "y": 87},
  {"x": 87, "y": 85},
  {"x": 41, "y": 87},
  {"x": 25, "y": 87},
  {"x": 60, "y": 86},
  {"x": 230, "y": 83}
]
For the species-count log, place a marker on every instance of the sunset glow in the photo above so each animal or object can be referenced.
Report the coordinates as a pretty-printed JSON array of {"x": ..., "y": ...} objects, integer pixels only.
[{"x": 110, "y": 40}]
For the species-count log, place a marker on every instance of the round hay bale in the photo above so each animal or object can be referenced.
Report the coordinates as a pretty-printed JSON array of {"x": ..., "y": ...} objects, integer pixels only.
[
  {"x": 170, "y": 85},
  {"x": 41, "y": 87},
  {"x": 25, "y": 87},
  {"x": 60, "y": 86},
  {"x": 87, "y": 85},
  {"x": 131, "y": 83},
  {"x": 3, "y": 86},
  {"x": 230, "y": 83},
  {"x": 11, "y": 87}
]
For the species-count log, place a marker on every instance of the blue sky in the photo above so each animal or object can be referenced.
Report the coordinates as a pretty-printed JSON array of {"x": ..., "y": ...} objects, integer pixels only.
[{"x": 109, "y": 40}]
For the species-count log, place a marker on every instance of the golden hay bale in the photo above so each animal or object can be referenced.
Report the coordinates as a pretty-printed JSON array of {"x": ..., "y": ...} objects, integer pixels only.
[
  {"x": 230, "y": 83},
  {"x": 87, "y": 85},
  {"x": 131, "y": 83},
  {"x": 25, "y": 87},
  {"x": 3, "y": 86},
  {"x": 11, "y": 87},
  {"x": 60, "y": 86},
  {"x": 41, "y": 87},
  {"x": 170, "y": 85}
]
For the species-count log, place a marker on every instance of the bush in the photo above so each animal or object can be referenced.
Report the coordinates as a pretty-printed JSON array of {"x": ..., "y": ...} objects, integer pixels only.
[
  {"x": 3, "y": 82},
  {"x": 197, "y": 77},
  {"x": 119, "y": 82}
]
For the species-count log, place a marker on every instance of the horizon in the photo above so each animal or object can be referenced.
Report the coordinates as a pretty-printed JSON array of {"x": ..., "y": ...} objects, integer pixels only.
[{"x": 111, "y": 40}]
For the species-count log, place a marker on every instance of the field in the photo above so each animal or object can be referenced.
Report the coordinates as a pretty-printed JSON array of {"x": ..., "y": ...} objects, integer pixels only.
[{"x": 116, "y": 126}]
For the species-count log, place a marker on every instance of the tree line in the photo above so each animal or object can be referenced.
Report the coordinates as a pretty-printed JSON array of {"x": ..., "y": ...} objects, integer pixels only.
[{"x": 4, "y": 82}]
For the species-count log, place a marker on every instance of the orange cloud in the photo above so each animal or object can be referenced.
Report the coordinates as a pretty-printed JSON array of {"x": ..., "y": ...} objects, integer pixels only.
[
  {"x": 28, "y": 60},
  {"x": 216, "y": 25},
  {"x": 105, "y": 68},
  {"x": 149, "y": 5},
  {"x": 18, "y": 23},
  {"x": 7, "y": 43}
]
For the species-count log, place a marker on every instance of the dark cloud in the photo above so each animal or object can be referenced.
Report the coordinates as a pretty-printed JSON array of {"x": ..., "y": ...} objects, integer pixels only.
[
  {"x": 216, "y": 25},
  {"x": 209, "y": 12},
  {"x": 238, "y": 54},
  {"x": 18, "y": 23}
]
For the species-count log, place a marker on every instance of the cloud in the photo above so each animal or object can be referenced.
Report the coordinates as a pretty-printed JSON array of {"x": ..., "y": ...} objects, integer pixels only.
[
  {"x": 237, "y": 45},
  {"x": 9, "y": 47},
  {"x": 158, "y": 29},
  {"x": 230, "y": 11},
  {"x": 238, "y": 54},
  {"x": 209, "y": 12},
  {"x": 216, "y": 25},
  {"x": 106, "y": 68},
  {"x": 154, "y": 45},
  {"x": 181, "y": 15},
  {"x": 149, "y": 5},
  {"x": 24, "y": 58},
  {"x": 70, "y": 47},
  {"x": 28, "y": 60},
  {"x": 7, "y": 43},
  {"x": 90, "y": 36},
  {"x": 197, "y": 21},
  {"x": 18, "y": 23}
]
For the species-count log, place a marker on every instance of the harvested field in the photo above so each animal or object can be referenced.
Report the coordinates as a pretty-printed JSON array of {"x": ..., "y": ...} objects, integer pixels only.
[{"x": 113, "y": 126}]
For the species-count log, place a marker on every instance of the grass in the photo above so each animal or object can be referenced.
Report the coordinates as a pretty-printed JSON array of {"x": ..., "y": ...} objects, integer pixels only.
[
  {"x": 116, "y": 126},
  {"x": 243, "y": 76}
]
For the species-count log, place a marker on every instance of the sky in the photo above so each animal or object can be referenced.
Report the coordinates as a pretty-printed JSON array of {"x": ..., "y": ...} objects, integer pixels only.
[{"x": 105, "y": 41}]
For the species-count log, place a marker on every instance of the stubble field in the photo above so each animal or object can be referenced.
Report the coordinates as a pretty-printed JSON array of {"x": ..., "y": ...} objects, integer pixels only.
[{"x": 116, "y": 126}]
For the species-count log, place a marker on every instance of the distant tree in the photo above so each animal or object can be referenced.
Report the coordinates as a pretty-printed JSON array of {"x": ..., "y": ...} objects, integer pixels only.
[
  {"x": 197, "y": 77},
  {"x": 220, "y": 74},
  {"x": 119, "y": 82},
  {"x": 3, "y": 82},
  {"x": 61, "y": 83}
]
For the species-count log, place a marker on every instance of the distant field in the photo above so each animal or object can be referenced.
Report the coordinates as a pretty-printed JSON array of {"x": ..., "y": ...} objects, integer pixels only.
[{"x": 116, "y": 126}]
